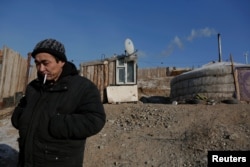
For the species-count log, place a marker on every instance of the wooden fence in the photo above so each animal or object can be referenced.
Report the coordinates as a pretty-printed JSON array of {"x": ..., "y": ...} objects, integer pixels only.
[
  {"x": 15, "y": 73},
  {"x": 100, "y": 73},
  {"x": 159, "y": 72},
  {"x": 152, "y": 72}
]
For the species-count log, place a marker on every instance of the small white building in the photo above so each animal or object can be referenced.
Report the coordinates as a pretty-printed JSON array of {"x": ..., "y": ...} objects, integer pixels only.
[{"x": 115, "y": 77}]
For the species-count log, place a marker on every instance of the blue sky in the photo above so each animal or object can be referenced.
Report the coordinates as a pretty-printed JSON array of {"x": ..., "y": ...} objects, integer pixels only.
[{"x": 180, "y": 33}]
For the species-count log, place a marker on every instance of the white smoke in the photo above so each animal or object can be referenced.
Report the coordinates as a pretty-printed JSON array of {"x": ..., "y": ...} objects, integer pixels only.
[
  {"x": 178, "y": 42},
  {"x": 175, "y": 43},
  {"x": 206, "y": 32}
]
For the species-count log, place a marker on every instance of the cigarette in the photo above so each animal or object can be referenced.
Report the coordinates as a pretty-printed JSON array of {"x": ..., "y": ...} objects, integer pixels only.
[{"x": 45, "y": 77}]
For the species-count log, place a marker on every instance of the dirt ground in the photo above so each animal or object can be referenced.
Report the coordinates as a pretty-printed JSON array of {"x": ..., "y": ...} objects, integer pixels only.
[{"x": 159, "y": 135}]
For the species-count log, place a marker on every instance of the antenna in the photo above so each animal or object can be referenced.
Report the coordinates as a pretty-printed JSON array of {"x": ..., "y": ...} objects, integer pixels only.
[{"x": 129, "y": 47}]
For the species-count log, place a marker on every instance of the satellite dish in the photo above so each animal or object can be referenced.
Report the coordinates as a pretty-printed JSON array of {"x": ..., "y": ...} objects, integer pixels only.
[{"x": 129, "y": 46}]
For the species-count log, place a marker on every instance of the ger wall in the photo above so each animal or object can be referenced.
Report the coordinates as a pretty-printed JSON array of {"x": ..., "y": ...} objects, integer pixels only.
[{"x": 212, "y": 82}]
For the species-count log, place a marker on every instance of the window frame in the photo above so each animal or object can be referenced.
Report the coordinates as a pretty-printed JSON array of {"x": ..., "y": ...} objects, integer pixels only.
[{"x": 122, "y": 64}]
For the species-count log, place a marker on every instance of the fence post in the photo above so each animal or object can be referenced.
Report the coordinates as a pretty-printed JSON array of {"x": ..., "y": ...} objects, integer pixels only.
[
  {"x": 27, "y": 72},
  {"x": 2, "y": 76}
]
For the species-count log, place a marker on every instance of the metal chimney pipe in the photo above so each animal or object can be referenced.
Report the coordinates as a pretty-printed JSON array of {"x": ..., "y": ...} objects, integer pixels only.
[{"x": 219, "y": 48}]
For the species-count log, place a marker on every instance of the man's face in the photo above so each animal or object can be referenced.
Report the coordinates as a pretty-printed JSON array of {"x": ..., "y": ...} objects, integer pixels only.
[{"x": 47, "y": 64}]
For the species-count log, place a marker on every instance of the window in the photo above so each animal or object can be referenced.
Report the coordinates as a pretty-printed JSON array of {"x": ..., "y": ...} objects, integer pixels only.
[{"x": 125, "y": 71}]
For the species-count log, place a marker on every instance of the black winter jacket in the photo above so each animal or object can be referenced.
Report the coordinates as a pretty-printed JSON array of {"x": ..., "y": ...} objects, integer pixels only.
[{"x": 55, "y": 119}]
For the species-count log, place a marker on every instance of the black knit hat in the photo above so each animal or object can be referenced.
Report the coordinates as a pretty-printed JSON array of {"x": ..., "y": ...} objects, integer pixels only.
[{"x": 52, "y": 47}]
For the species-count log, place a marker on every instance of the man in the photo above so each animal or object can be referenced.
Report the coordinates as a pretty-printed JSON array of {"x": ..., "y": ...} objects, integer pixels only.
[{"x": 59, "y": 111}]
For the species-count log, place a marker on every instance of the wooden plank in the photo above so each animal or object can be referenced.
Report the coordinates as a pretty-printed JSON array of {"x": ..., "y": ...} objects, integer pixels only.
[
  {"x": 3, "y": 71},
  {"x": 237, "y": 84},
  {"x": 33, "y": 73},
  {"x": 14, "y": 73},
  {"x": 8, "y": 72},
  {"x": 28, "y": 65},
  {"x": 92, "y": 63},
  {"x": 90, "y": 73},
  {"x": 112, "y": 73},
  {"x": 95, "y": 75},
  {"x": 22, "y": 75},
  {"x": 85, "y": 72},
  {"x": 99, "y": 77},
  {"x": 19, "y": 74},
  {"x": 106, "y": 76}
]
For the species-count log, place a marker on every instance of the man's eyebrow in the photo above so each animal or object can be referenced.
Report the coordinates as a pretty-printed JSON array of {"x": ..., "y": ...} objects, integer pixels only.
[{"x": 42, "y": 61}]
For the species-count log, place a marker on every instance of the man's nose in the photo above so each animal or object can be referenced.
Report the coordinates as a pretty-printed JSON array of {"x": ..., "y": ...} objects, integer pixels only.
[{"x": 42, "y": 68}]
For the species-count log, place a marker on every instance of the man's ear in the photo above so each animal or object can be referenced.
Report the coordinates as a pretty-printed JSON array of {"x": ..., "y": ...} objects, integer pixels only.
[{"x": 61, "y": 63}]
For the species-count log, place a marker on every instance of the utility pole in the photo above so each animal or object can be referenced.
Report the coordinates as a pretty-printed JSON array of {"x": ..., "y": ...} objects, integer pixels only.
[
  {"x": 246, "y": 55},
  {"x": 219, "y": 48}
]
